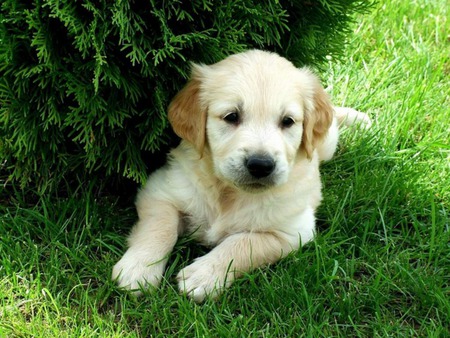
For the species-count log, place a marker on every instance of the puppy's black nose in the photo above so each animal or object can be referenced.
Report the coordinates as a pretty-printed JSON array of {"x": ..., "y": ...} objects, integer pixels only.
[{"x": 260, "y": 166}]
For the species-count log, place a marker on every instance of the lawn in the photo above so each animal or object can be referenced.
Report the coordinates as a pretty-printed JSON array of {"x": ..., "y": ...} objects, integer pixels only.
[{"x": 380, "y": 265}]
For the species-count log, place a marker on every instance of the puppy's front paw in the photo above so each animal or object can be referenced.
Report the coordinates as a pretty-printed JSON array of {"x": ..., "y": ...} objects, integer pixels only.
[
  {"x": 135, "y": 271},
  {"x": 204, "y": 278}
]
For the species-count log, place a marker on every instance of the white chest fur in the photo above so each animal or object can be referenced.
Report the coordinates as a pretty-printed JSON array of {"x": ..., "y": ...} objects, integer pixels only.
[{"x": 213, "y": 210}]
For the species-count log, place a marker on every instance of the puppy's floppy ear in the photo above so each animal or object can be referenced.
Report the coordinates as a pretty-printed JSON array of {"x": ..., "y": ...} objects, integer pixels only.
[
  {"x": 318, "y": 116},
  {"x": 186, "y": 114}
]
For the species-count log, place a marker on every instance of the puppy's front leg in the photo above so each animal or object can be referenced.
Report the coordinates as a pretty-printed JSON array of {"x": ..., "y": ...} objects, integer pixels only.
[
  {"x": 150, "y": 243},
  {"x": 236, "y": 254}
]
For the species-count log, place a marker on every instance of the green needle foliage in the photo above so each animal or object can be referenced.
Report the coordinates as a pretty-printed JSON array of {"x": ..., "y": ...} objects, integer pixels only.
[
  {"x": 379, "y": 267},
  {"x": 84, "y": 85}
]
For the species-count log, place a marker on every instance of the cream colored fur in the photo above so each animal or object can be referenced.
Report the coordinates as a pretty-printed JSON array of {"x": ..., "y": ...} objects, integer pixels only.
[{"x": 206, "y": 189}]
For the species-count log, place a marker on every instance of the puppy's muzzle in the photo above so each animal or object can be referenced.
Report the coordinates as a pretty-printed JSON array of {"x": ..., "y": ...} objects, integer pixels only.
[{"x": 260, "y": 166}]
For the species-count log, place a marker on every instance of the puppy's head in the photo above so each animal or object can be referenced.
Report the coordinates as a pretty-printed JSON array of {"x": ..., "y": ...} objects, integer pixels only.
[{"x": 256, "y": 113}]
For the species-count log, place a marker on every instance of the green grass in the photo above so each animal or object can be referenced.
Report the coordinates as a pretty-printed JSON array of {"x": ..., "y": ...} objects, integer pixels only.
[{"x": 379, "y": 267}]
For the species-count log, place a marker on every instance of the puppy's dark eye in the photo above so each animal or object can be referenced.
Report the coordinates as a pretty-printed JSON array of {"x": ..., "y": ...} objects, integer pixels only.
[
  {"x": 287, "y": 122},
  {"x": 232, "y": 118}
]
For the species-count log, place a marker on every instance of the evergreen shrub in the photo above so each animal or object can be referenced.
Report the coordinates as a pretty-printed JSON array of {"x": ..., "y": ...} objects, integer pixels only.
[{"x": 84, "y": 85}]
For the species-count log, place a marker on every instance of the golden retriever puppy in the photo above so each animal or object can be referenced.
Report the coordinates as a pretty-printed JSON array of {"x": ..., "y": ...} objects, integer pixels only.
[{"x": 245, "y": 178}]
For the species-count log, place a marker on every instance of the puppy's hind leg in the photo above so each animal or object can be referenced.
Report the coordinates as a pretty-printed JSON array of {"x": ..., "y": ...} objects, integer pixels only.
[
  {"x": 150, "y": 243},
  {"x": 349, "y": 116},
  {"x": 328, "y": 146},
  {"x": 343, "y": 117}
]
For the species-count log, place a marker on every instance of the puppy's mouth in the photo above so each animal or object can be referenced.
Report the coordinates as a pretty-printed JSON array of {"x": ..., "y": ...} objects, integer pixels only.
[{"x": 255, "y": 186}]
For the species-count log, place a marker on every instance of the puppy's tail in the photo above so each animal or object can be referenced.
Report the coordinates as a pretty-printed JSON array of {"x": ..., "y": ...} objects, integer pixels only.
[{"x": 349, "y": 117}]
